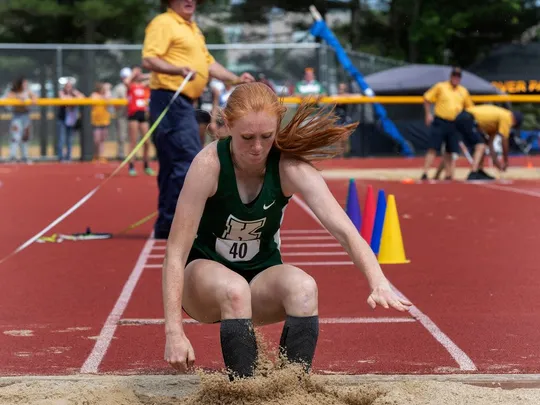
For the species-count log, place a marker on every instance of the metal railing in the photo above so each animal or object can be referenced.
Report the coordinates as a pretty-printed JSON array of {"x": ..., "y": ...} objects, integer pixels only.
[{"x": 48, "y": 66}]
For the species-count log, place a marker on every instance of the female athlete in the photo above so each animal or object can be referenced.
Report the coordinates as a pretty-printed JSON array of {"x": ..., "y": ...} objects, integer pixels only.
[{"x": 223, "y": 261}]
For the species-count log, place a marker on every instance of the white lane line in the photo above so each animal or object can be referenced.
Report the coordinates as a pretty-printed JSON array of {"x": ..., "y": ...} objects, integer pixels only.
[
  {"x": 91, "y": 365},
  {"x": 342, "y": 253},
  {"x": 310, "y": 245},
  {"x": 464, "y": 362},
  {"x": 160, "y": 321},
  {"x": 314, "y": 253},
  {"x": 325, "y": 237},
  {"x": 512, "y": 190},
  {"x": 286, "y": 245},
  {"x": 303, "y": 231},
  {"x": 321, "y": 263}
]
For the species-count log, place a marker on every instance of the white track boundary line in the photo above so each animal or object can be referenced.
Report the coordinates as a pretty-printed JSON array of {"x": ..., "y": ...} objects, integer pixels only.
[
  {"x": 321, "y": 237},
  {"x": 287, "y": 245},
  {"x": 310, "y": 245},
  {"x": 511, "y": 190},
  {"x": 92, "y": 363},
  {"x": 303, "y": 231},
  {"x": 160, "y": 321},
  {"x": 331, "y": 253},
  {"x": 320, "y": 264},
  {"x": 464, "y": 362}
]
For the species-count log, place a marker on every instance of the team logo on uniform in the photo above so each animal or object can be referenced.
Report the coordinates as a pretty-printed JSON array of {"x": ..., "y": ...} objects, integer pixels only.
[{"x": 241, "y": 239}]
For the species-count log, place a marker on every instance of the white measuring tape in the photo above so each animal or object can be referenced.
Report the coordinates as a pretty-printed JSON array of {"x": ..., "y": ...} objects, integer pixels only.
[{"x": 79, "y": 203}]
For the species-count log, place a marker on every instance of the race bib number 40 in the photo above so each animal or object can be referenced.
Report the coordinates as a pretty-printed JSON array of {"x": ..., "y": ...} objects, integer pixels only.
[{"x": 241, "y": 239}]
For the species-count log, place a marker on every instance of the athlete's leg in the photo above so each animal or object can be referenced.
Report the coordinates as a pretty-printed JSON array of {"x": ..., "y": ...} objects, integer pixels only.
[
  {"x": 132, "y": 134},
  {"x": 104, "y": 137},
  {"x": 144, "y": 127},
  {"x": 97, "y": 135},
  {"x": 212, "y": 293},
  {"x": 285, "y": 292}
]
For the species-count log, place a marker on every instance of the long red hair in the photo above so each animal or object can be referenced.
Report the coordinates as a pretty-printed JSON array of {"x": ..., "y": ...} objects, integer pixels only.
[{"x": 311, "y": 134}]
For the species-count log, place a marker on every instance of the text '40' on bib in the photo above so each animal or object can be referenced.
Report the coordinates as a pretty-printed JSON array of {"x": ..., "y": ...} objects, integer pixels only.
[{"x": 241, "y": 239}]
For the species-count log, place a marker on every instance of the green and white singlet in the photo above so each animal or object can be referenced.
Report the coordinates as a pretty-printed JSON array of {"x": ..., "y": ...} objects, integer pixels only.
[{"x": 243, "y": 237}]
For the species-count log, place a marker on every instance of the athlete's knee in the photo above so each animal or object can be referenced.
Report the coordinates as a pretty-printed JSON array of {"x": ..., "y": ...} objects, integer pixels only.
[
  {"x": 236, "y": 300},
  {"x": 480, "y": 146},
  {"x": 302, "y": 295}
]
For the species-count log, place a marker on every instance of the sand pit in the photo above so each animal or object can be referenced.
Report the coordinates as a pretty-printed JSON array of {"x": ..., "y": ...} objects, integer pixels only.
[
  {"x": 278, "y": 388},
  {"x": 513, "y": 173}
]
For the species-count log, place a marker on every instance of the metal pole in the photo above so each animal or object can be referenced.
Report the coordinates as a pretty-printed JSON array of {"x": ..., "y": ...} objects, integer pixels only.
[{"x": 43, "y": 112}]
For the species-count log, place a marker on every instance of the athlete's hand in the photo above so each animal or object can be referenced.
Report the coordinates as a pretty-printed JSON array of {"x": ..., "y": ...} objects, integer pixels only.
[
  {"x": 184, "y": 71},
  {"x": 383, "y": 295},
  {"x": 246, "y": 78},
  {"x": 178, "y": 352}
]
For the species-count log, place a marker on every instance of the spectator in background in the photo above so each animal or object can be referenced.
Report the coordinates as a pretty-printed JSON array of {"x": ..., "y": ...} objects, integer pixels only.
[
  {"x": 310, "y": 86},
  {"x": 120, "y": 91},
  {"x": 101, "y": 120},
  {"x": 20, "y": 125},
  {"x": 262, "y": 78},
  {"x": 207, "y": 111},
  {"x": 67, "y": 120},
  {"x": 342, "y": 110},
  {"x": 449, "y": 98},
  {"x": 174, "y": 47},
  {"x": 138, "y": 96}
]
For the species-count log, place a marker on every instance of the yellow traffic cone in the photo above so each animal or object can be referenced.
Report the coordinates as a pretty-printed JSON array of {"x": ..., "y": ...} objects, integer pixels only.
[{"x": 392, "y": 250}]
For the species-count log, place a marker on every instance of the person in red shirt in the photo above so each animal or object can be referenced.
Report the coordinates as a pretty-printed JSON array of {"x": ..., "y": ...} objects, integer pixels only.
[{"x": 138, "y": 94}]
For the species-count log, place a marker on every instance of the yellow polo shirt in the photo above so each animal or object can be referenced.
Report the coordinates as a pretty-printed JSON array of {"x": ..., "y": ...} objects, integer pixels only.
[
  {"x": 449, "y": 101},
  {"x": 492, "y": 120},
  {"x": 180, "y": 43}
]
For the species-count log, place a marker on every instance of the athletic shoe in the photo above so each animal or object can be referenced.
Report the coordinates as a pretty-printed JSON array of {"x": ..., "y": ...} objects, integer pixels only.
[
  {"x": 132, "y": 172},
  {"x": 484, "y": 175},
  {"x": 149, "y": 171}
]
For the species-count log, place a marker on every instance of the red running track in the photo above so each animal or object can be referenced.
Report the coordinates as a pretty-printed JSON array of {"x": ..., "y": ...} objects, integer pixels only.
[{"x": 472, "y": 279}]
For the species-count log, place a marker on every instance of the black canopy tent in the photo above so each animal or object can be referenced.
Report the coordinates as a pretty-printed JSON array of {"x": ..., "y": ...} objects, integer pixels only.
[
  {"x": 510, "y": 62},
  {"x": 409, "y": 80}
]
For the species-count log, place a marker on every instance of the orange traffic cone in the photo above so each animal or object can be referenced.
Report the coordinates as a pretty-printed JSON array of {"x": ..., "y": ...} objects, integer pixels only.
[{"x": 392, "y": 250}]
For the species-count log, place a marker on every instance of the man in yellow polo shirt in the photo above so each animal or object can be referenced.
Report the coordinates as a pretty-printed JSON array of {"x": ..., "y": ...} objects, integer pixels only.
[
  {"x": 449, "y": 98},
  {"x": 173, "y": 47},
  {"x": 478, "y": 126}
]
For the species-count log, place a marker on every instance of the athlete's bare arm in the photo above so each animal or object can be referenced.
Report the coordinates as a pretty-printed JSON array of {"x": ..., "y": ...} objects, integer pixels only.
[
  {"x": 300, "y": 177},
  {"x": 200, "y": 183}
]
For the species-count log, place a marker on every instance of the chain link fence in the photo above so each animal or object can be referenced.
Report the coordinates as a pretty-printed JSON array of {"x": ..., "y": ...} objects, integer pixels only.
[{"x": 48, "y": 66}]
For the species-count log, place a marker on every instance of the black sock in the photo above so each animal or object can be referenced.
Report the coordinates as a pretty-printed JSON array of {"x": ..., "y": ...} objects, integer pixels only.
[
  {"x": 299, "y": 339},
  {"x": 146, "y": 164},
  {"x": 131, "y": 166},
  {"x": 239, "y": 347}
]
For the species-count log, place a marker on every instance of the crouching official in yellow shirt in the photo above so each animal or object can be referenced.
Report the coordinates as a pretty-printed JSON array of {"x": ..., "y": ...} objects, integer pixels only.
[{"x": 478, "y": 126}]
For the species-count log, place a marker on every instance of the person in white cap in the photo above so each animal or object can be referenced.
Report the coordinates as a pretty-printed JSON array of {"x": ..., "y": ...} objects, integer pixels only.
[{"x": 120, "y": 91}]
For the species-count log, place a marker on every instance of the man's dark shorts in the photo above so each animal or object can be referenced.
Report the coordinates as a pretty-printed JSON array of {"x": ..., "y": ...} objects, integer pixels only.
[
  {"x": 443, "y": 131},
  {"x": 468, "y": 130}
]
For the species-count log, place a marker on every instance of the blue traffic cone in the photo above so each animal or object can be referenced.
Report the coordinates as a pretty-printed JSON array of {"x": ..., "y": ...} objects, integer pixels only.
[
  {"x": 353, "y": 205},
  {"x": 379, "y": 222}
]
